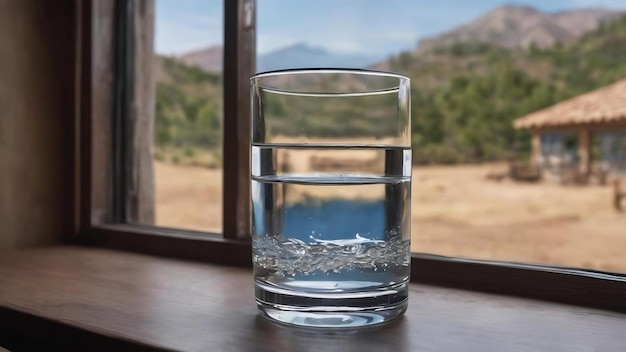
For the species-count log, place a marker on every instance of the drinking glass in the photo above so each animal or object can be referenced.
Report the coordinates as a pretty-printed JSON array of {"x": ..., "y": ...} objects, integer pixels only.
[{"x": 331, "y": 189}]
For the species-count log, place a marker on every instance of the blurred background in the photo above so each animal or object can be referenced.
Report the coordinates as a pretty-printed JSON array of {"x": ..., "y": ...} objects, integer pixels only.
[{"x": 496, "y": 175}]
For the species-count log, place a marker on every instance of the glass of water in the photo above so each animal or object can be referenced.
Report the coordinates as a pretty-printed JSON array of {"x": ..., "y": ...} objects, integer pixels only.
[{"x": 331, "y": 196}]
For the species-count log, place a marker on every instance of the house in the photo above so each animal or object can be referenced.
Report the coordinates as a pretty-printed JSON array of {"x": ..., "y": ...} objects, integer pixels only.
[{"x": 600, "y": 113}]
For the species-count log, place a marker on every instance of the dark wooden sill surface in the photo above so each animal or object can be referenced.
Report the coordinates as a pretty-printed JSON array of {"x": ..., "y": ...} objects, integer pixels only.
[{"x": 94, "y": 299}]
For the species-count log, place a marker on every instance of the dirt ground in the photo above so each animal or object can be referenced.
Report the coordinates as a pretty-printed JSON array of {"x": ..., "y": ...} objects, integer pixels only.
[{"x": 456, "y": 211}]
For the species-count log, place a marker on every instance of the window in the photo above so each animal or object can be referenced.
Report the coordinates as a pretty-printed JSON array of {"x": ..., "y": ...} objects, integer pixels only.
[
  {"x": 117, "y": 207},
  {"x": 450, "y": 214},
  {"x": 475, "y": 193},
  {"x": 186, "y": 149}
]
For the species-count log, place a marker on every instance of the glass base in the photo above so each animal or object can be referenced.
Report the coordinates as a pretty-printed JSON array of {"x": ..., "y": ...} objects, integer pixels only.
[{"x": 333, "y": 311}]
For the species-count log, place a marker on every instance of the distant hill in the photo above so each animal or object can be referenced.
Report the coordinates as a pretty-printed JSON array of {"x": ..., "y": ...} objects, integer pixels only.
[
  {"x": 188, "y": 105},
  {"x": 520, "y": 26},
  {"x": 464, "y": 95},
  {"x": 507, "y": 26},
  {"x": 303, "y": 55},
  {"x": 293, "y": 56},
  {"x": 209, "y": 59}
]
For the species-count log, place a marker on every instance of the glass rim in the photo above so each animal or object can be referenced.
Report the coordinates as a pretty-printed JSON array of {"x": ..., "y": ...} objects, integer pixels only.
[{"x": 355, "y": 71}]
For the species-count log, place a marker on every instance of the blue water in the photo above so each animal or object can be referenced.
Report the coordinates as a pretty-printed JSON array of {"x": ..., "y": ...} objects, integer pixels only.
[{"x": 334, "y": 219}]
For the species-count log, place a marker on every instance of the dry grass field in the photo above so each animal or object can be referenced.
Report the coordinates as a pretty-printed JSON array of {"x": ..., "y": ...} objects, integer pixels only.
[{"x": 456, "y": 211}]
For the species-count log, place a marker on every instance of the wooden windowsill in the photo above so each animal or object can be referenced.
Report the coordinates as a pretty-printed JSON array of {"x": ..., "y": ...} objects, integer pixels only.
[{"x": 96, "y": 299}]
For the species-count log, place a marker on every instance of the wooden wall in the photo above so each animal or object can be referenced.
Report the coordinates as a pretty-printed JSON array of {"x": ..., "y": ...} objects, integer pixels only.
[{"x": 37, "y": 110}]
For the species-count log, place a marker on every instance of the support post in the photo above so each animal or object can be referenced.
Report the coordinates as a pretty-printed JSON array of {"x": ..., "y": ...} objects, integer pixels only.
[
  {"x": 584, "y": 152},
  {"x": 239, "y": 65},
  {"x": 140, "y": 206},
  {"x": 535, "y": 156}
]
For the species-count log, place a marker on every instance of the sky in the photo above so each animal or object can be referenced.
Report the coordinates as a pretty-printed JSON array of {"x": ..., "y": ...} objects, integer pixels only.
[{"x": 371, "y": 27}]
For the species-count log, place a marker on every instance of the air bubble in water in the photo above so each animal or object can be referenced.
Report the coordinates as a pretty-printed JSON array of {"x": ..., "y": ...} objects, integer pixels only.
[{"x": 290, "y": 257}]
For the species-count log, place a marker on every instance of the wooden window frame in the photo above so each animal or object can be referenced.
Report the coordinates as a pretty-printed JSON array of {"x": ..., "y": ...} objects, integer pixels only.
[{"x": 95, "y": 158}]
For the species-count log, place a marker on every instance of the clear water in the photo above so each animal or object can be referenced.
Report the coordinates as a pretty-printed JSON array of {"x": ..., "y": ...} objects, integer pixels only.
[{"x": 331, "y": 232}]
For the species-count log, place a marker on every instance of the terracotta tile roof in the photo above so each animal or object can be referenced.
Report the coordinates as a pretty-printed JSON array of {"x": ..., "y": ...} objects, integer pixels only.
[{"x": 607, "y": 104}]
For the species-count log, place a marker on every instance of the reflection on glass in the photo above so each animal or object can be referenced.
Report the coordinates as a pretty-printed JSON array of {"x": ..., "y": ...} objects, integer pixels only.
[{"x": 484, "y": 186}]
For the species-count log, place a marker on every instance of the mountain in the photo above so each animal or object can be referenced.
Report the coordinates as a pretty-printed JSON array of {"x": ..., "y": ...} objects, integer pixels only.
[
  {"x": 520, "y": 26},
  {"x": 303, "y": 55},
  {"x": 294, "y": 56},
  {"x": 209, "y": 59},
  {"x": 464, "y": 96},
  {"x": 507, "y": 26}
]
